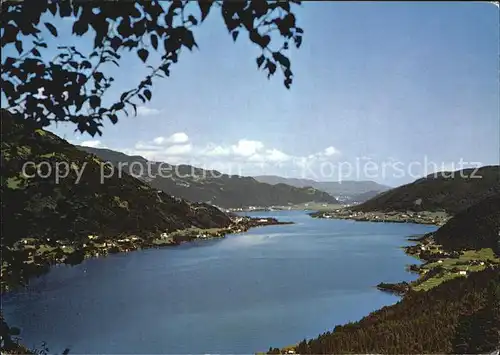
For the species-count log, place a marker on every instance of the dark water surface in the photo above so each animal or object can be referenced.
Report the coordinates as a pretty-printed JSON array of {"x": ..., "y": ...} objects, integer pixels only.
[{"x": 270, "y": 286}]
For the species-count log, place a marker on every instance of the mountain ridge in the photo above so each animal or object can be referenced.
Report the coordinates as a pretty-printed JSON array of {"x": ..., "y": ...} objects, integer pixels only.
[
  {"x": 73, "y": 209},
  {"x": 336, "y": 188},
  {"x": 211, "y": 186},
  {"x": 439, "y": 192}
]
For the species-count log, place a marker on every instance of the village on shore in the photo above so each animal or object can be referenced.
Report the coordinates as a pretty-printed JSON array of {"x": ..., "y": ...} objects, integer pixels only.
[
  {"x": 424, "y": 217},
  {"x": 439, "y": 265},
  {"x": 33, "y": 256}
]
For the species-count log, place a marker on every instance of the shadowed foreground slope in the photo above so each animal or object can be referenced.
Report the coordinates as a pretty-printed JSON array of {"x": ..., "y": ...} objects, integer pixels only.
[{"x": 40, "y": 207}]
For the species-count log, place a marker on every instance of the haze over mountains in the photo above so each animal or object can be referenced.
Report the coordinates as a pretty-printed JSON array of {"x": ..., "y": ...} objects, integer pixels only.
[
  {"x": 195, "y": 184},
  {"x": 352, "y": 191}
]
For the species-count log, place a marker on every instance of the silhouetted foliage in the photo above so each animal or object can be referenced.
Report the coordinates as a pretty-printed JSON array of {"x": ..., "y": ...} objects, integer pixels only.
[
  {"x": 9, "y": 342},
  {"x": 74, "y": 83}
]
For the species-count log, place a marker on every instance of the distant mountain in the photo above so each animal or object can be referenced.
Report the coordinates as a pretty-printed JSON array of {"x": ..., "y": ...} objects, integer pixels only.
[
  {"x": 476, "y": 227},
  {"x": 449, "y": 191},
  {"x": 72, "y": 208},
  {"x": 195, "y": 184},
  {"x": 334, "y": 188}
]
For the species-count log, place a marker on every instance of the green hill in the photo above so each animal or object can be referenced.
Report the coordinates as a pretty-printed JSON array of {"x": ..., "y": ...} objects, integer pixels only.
[
  {"x": 441, "y": 192},
  {"x": 476, "y": 227},
  {"x": 195, "y": 184},
  {"x": 75, "y": 207}
]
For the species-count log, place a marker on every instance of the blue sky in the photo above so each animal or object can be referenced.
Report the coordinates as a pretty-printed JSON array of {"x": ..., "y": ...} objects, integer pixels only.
[{"x": 380, "y": 82}]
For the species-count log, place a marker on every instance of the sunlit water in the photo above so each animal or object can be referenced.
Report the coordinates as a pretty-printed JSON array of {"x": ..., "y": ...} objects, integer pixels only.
[{"x": 270, "y": 286}]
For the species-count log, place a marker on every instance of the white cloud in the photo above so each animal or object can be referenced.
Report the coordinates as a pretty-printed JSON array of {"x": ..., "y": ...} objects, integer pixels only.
[
  {"x": 159, "y": 140},
  {"x": 175, "y": 150},
  {"x": 147, "y": 111},
  {"x": 176, "y": 138},
  {"x": 243, "y": 157},
  {"x": 145, "y": 146},
  {"x": 247, "y": 148},
  {"x": 216, "y": 151},
  {"x": 331, "y": 151},
  {"x": 275, "y": 155},
  {"x": 92, "y": 144}
]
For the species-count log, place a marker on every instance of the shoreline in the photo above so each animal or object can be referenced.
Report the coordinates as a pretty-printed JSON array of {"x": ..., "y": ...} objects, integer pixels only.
[
  {"x": 425, "y": 217},
  {"x": 31, "y": 257},
  {"x": 438, "y": 265}
]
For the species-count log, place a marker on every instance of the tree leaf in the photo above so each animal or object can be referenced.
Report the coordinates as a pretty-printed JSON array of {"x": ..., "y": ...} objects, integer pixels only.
[
  {"x": 95, "y": 101},
  {"x": 193, "y": 20},
  {"x": 260, "y": 60},
  {"x": 205, "y": 6},
  {"x": 147, "y": 94},
  {"x": 262, "y": 41},
  {"x": 154, "y": 41},
  {"x": 51, "y": 28},
  {"x": 282, "y": 59},
  {"x": 188, "y": 39},
  {"x": 19, "y": 46},
  {"x": 143, "y": 54},
  {"x": 98, "y": 76},
  {"x": 80, "y": 27},
  {"x": 113, "y": 118},
  {"x": 235, "y": 35}
]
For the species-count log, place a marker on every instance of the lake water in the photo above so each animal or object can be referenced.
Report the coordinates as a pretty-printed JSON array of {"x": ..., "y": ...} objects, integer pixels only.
[{"x": 272, "y": 286}]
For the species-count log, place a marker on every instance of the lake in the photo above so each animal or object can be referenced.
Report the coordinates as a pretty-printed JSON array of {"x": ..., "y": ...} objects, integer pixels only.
[{"x": 272, "y": 286}]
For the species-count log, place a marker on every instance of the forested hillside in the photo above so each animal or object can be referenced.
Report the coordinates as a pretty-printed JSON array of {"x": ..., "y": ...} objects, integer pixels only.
[
  {"x": 71, "y": 207},
  {"x": 476, "y": 227},
  {"x": 451, "y": 192}
]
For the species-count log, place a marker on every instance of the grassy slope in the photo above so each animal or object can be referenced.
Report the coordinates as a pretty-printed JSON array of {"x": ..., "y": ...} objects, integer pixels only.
[
  {"x": 226, "y": 191},
  {"x": 451, "y": 194},
  {"x": 38, "y": 207}
]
